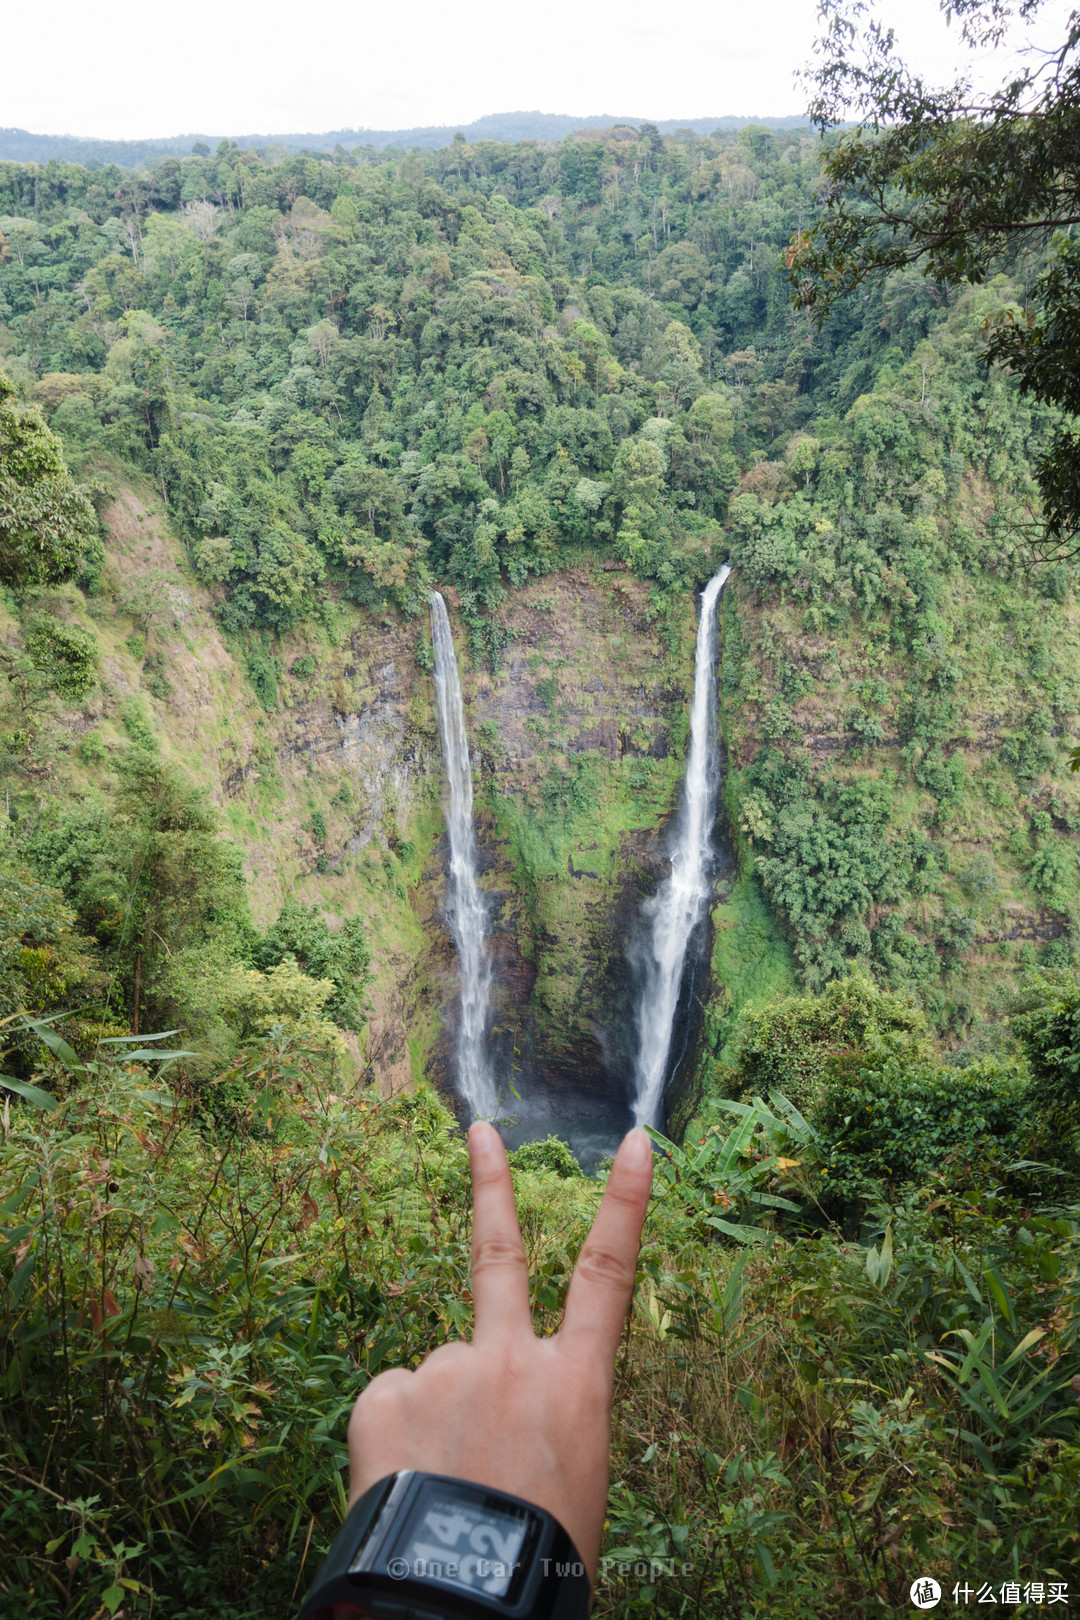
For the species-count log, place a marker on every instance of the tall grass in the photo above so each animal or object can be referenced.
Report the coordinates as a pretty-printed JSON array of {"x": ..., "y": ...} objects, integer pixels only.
[{"x": 197, "y": 1282}]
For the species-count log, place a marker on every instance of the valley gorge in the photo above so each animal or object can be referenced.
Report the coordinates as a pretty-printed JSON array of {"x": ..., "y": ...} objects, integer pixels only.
[
  {"x": 472, "y": 644},
  {"x": 588, "y": 706}
]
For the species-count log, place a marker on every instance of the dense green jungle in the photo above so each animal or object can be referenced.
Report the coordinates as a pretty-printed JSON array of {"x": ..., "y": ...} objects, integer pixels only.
[{"x": 252, "y": 407}]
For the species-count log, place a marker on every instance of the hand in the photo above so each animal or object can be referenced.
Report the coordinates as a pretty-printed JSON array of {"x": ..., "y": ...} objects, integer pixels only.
[{"x": 520, "y": 1414}]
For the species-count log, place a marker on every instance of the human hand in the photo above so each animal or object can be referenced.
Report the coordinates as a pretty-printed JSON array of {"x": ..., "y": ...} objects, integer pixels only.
[{"x": 518, "y": 1413}]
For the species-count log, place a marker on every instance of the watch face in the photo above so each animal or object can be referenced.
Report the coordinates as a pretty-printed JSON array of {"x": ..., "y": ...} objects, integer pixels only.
[{"x": 455, "y": 1537}]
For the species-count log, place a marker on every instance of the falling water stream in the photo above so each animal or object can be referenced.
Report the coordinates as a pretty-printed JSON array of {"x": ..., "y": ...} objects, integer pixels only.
[
  {"x": 468, "y": 910},
  {"x": 678, "y": 906}
]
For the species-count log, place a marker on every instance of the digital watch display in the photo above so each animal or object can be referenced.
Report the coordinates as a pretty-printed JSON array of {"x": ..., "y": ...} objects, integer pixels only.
[{"x": 424, "y": 1547}]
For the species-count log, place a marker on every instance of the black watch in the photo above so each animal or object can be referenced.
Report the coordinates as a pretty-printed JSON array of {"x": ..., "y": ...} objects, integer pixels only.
[{"x": 424, "y": 1547}]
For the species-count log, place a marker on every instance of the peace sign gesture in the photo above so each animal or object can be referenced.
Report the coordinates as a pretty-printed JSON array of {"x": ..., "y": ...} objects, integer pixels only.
[{"x": 514, "y": 1412}]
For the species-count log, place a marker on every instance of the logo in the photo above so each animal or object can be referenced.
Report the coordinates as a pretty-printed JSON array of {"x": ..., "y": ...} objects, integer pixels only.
[{"x": 925, "y": 1593}]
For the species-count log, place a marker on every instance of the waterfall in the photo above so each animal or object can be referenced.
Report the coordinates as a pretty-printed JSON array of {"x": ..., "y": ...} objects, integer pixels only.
[
  {"x": 679, "y": 904},
  {"x": 468, "y": 909}
]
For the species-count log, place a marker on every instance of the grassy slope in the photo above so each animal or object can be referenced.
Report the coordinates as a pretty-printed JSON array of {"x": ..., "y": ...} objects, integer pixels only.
[{"x": 367, "y": 771}]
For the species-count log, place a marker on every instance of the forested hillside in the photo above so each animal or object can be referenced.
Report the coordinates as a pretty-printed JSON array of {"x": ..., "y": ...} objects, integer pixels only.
[
  {"x": 255, "y": 409},
  {"x": 24, "y": 147},
  {"x": 347, "y": 379}
]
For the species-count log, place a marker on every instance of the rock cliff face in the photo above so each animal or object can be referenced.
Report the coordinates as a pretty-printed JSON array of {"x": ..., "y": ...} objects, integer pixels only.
[
  {"x": 330, "y": 779},
  {"x": 580, "y": 735}
]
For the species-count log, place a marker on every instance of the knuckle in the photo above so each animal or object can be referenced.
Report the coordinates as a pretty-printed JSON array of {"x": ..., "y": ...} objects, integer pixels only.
[
  {"x": 381, "y": 1399},
  {"x": 497, "y": 1251},
  {"x": 447, "y": 1359},
  {"x": 387, "y": 1388},
  {"x": 606, "y": 1266}
]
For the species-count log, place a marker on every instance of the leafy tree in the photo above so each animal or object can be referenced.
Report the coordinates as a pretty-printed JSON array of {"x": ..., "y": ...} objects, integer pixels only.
[
  {"x": 150, "y": 880},
  {"x": 44, "y": 961},
  {"x": 338, "y": 955},
  {"x": 888, "y": 1120},
  {"x": 54, "y": 661},
  {"x": 551, "y": 1155},
  {"x": 955, "y": 181},
  {"x": 46, "y": 521}
]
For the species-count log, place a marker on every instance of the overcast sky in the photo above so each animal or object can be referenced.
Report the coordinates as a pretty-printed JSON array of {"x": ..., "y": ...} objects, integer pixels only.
[{"x": 124, "y": 69}]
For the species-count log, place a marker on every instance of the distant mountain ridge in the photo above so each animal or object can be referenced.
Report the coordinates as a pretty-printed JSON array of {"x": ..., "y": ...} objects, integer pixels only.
[{"x": 21, "y": 146}]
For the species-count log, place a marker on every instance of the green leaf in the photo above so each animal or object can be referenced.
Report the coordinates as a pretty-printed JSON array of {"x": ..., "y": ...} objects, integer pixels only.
[
  {"x": 984, "y": 1457},
  {"x": 56, "y": 1043},
  {"x": 790, "y": 1112},
  {"x": 879, "y": 1264},
  {"x": 768, "y": 1568},
  {"x": 773, "y": 1201},
  {"x": 969, "y": 1282},
  {"x": 742, "y": 1234},
  {"x": 156, "y": 1057},
  {"x": 1025, "y": 1345},
  {"x": 126, "y": 1040},
  {"x": 975, "y": 1346},
  {"x": 996, "y": 1286},
  {"x": 736, "y": 1144},
  {"x": 990, "y": 1384},
  {"x": 33, "y": 1094}
]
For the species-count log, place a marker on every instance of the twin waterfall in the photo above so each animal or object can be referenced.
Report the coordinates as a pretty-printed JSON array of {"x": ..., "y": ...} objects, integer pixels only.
[
  {"x": 678, "y": 906},
  {"x": 468, "y": 910},
  {"x": 674, "y": 912}
]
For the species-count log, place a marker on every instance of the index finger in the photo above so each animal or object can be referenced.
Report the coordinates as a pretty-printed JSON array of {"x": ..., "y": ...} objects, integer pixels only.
[
  {"x": 500, "y": 1274},
  {"x": 603, "y": 1278}
]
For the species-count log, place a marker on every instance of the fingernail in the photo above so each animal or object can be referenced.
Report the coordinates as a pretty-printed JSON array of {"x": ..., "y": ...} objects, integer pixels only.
[
  {"x": 482, "y": 1136},
  {"x": 636, "y": 1150}
]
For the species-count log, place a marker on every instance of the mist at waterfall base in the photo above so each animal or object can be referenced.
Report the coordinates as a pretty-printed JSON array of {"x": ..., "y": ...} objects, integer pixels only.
[
  {"x": 676, "y": 913},
  {"x": 592, "y": 1126}
]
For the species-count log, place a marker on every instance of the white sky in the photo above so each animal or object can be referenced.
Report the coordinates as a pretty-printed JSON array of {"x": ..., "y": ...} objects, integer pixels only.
[{"x": 124, "y": 69}]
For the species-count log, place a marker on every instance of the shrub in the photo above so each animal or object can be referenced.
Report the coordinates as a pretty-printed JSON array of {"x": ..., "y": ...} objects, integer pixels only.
[
  {"x": 134, "y": 719},
  {"x": 262, "y": 669},
  {"x": 155, "y": 677},
  {"x": 67, "y": 653},
  {"x": 340, "y": 955},
  {"x": 550, "y": 1154},
  {"x": 91, "y": 749},
  {"x": 886, "y": 1121},
  {"x": 790, "y": 1045},
  {"x": 1047, "y": 1024}
]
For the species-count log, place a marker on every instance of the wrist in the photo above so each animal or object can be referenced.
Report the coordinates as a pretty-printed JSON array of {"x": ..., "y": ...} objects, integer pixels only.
[{"x": 428, "y": 1546}]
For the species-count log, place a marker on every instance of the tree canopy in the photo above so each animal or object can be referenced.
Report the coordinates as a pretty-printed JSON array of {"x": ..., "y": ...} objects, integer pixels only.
[
  {"x": 961, "y": 182},
  {"x": 45, "y": 519}
]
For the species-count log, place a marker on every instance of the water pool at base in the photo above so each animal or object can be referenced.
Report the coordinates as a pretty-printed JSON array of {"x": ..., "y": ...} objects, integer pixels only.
[{"x": 592, "y": 1127}]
